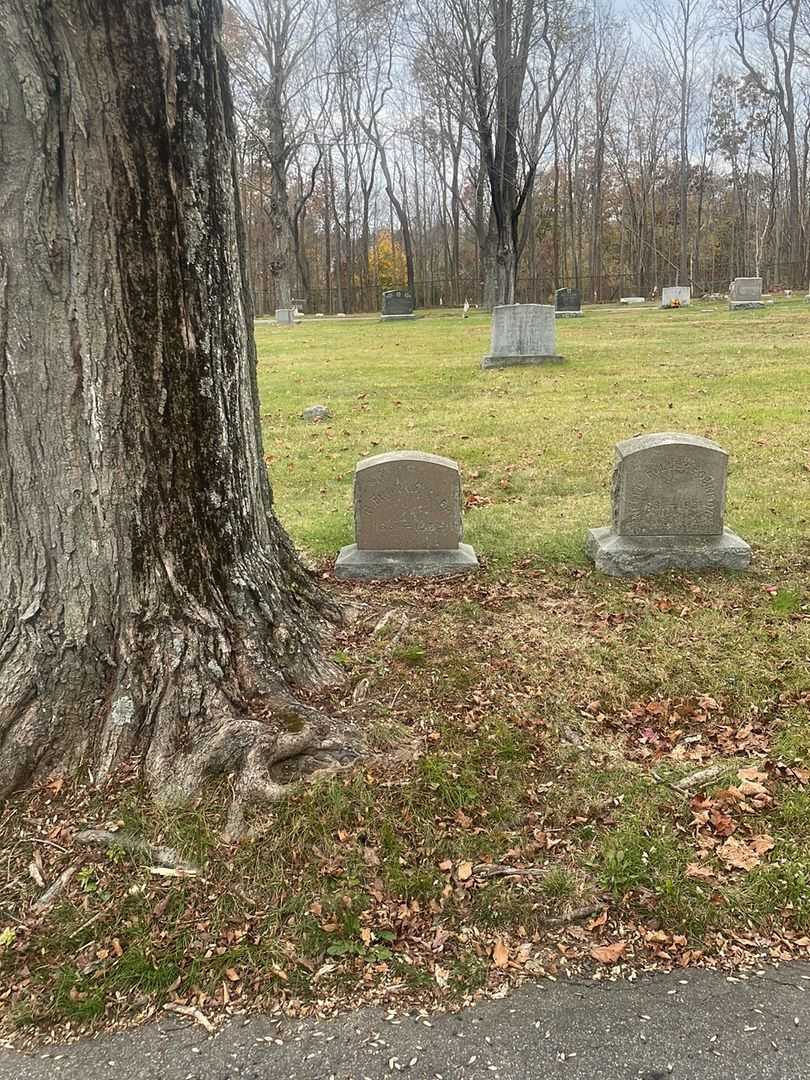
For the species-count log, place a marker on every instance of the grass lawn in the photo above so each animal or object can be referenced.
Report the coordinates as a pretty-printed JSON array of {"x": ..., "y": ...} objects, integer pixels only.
[
  {"x": 537, "y": 444},
  {"x": 565, "y": 773}
]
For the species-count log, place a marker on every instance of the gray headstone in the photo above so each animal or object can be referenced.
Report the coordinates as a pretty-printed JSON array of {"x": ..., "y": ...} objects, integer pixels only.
[
  {"x": 522, "y": 334},
  {"x": 631, "y": 300},
  {"x": 315, "y": 413},
  {"x": 397, "y": 304},
  {"x": 669, "y": 494},
  {"x": 407, "y": 519},
  {"x": 745, "y": 293},
  {"x": 568, "y": 303},
  {"x": 681, "y": 293},
  {"x": 285, "y": 316}
]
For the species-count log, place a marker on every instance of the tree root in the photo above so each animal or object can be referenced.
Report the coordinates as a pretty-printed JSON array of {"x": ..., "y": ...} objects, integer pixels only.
[
  {"x": 158, "y": 856},
  {"x": 184, "y": 706}
]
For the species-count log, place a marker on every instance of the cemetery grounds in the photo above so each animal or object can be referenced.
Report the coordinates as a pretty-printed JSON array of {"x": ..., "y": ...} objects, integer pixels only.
[{"x": 565, "y": 773}]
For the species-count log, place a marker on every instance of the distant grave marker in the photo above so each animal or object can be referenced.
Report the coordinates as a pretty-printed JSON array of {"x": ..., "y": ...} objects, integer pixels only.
[
  {"x": 669, "y": 494},
  {"x": 407, "y": 519},
  {"x": 745, "y": 293},
  {"x": 397, "y": 304},
  {"x": 676, "y": 296},
  {"x": 568, "y": 304}
]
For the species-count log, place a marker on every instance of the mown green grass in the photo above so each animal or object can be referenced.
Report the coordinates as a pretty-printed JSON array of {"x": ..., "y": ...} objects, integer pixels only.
[{"x": 538, "y": 442}]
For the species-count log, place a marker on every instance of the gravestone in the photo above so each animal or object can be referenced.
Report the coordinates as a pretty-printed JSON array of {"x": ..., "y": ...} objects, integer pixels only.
[
  {"x": 669, "y": 494},
  {"x": 568, "y": 304},
  {"x": 745, "y": 292},
  {"x": 681, "y": 293},
  {"x": 631, "y": 300},
  {"x": 522, "y": 334},
  {"x": 313, "y": 414},
  {"x": 397, "y": 304},
  {"x": 407, "y": 519},
  {"x": 285, "y": 316}
]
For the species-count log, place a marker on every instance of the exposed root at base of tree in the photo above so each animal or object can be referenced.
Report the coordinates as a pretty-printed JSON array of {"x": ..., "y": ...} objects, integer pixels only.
[{"x": 211, "y": 699}]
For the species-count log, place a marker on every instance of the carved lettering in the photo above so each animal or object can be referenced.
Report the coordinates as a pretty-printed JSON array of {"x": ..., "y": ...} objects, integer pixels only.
[
  {"x": 407, "y": 502},
  {"x": 668, "y": 494}
]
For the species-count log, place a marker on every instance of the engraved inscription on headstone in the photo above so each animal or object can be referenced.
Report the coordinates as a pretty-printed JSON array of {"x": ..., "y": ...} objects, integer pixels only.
[
  {"x": 408, "y": 519},
  {"x": 568, "y": 303},
  {"x": 669, "y": 495},
  {"x": 407, "y": 501},
  {"x": 522, "y": 334},
  {"x": 662, "y": 485}
]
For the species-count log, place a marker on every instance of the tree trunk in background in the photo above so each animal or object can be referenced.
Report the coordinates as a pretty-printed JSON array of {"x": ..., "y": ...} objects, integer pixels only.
[{"x": 152, "y": 606}]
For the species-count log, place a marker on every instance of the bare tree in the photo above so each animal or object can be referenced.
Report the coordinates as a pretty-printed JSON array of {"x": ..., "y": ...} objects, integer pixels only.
[
  {"x": 277, "y": 72},
  {"x": 506, "y": 58},
  {"x": 370, "y": 49},
  {"x": 765, "y": 37},
  {"x": 609, "y": 52},
  {"x": 679, "y": 28}
]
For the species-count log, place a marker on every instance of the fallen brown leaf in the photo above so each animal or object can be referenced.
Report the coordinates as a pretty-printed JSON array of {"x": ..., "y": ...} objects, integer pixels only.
[
  {"x": 700, "y": 872},
  {"x": 738, "y": 855},
  {"x": 608, "y": 954},
  {"x": 500, "y": 954},
  {"x": 762, "y": 843}
]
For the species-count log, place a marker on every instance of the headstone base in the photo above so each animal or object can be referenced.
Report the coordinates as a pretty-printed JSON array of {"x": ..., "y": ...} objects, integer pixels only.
[
  {"x": 399, "y": 318},
  {"x": 357, "y": 564},
  {"x": 622, "y": 556},
  {"x": 568, "y": 314},
  {"x": 519, "y": 361},
  {"x": 737, "y": 305}
]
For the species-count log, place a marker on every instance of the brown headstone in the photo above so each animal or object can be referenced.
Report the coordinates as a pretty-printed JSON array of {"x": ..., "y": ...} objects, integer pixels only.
[
  {"x": 407, "y": 517},
  {"x": 407, "y": 501}
]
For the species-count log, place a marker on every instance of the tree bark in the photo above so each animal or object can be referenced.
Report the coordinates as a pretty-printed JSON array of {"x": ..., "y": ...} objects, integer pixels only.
[{"x": 152, "y": 606}]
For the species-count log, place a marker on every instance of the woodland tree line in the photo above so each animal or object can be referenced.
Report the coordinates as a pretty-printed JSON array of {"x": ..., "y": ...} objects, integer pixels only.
[{"x": 495, "y": 150}]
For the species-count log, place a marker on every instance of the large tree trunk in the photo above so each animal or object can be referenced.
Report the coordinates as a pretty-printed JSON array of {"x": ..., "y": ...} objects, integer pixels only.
[{"x": 151, "y": 606}]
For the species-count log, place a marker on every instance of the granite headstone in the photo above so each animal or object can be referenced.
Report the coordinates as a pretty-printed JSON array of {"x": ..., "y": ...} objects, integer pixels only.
[
  {"x": 407, "y": 519},
  {"x": 669, "y": 494},
  {"x": 397, "y": 304},
  {"x": 680, "y": 293},
  {"x": 745, "y": 293},
  {"x": 568, "y": 304},
  {"x": 522, "y": 334}
]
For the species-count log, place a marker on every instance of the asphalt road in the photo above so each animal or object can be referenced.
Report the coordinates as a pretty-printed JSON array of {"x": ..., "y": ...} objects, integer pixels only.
[{"x": 696, "y": 1025}]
